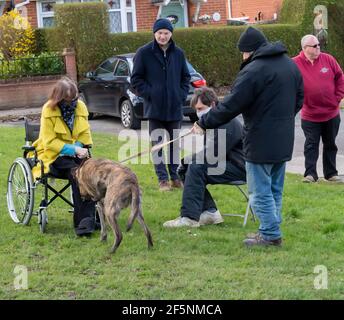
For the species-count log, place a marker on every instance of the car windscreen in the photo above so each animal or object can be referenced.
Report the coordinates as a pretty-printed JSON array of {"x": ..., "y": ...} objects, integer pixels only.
[
  {"x": 107, "y": 67},
  {"x": 190, "y": 67}
]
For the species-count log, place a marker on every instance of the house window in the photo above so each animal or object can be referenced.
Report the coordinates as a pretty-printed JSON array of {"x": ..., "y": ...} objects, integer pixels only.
[
  {"x": 2, "y": 6},
  {"x": 121, "y": 12},
  {"x": 122, "y": 15},
  {"x": 45, "y": 10}
]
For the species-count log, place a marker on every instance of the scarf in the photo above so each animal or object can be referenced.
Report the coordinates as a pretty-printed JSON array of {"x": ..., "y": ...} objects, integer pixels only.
[{"x": 68, "y": 112}]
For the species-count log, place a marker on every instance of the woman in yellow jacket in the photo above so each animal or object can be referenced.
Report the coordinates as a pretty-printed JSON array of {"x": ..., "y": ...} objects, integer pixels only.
[{"x": 63, "y": 134}]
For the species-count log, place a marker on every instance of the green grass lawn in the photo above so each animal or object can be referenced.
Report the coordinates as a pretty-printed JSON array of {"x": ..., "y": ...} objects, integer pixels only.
[{"x": 206, "y": 263}]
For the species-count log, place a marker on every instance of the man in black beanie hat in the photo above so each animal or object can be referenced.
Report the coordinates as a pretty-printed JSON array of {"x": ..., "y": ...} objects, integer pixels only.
[
  {"x": 162, "y": 24},
  {"x": 268, "y": 92},
  {"x": 161, "y": 76},
  {"x": 251, "y": 39}
]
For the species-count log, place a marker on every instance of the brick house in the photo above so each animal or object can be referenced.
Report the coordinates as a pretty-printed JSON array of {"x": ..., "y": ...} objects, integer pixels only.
[{"x": 137, "y": 15}]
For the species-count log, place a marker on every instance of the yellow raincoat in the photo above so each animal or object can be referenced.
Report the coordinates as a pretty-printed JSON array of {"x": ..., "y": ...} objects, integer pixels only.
[{"x": 54, "y": 134}]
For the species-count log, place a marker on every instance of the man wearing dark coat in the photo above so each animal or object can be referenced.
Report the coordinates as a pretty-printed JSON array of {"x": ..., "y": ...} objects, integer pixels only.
[
  {"x": 161, "y": 76},
  {"x": 202, "y": 169},
  {"x": 268, "y": 92}
]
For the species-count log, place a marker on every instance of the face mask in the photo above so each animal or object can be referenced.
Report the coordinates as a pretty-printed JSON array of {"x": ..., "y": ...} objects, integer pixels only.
[
  {"x": 69, "y": 104},
  {"x": 202, "y": 112}
]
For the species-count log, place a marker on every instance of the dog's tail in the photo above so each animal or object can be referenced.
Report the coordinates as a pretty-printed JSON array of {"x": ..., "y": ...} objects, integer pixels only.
[
  {"x": 135, "y": 205},
  {"x": 136, "y": 213}
]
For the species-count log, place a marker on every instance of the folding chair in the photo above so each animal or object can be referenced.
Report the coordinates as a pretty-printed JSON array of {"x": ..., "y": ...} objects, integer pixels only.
[{"x": 238, "y": 185}]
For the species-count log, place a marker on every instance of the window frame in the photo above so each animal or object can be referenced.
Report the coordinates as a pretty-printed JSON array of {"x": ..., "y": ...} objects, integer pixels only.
[
  {"x": 2, "y": 7},
  {"x": 41, "y": 15},
  {"x": 112, "y": 61},
  {"x": 117, "y": 65},
  {"x": 124, "y": 10}
]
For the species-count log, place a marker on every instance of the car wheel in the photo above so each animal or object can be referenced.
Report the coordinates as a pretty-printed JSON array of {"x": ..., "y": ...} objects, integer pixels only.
[
  {"x": 193, "y": 117},
  {"x": 128, "y": 118},
  {"x": 83, "y": 99}
]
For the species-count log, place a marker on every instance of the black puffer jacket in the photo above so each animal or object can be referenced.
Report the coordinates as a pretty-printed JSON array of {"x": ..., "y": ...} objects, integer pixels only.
[{"x": 268, "y": 91}]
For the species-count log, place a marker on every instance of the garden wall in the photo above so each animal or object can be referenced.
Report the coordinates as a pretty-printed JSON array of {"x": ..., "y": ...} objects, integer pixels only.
[{"x": 33, "y": 91}]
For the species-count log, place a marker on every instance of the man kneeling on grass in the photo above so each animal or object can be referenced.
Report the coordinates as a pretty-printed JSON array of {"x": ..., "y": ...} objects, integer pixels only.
[{"x": 198, "y": 207}]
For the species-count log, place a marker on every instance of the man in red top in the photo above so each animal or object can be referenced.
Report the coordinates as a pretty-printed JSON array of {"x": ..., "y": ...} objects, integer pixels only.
[{"x": 320, "y": 114}]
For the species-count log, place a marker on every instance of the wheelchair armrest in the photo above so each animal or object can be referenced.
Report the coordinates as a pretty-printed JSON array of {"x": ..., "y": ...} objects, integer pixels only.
[
  {"x": 88, "y": 146},
  {"x": 28, "y": 148}
]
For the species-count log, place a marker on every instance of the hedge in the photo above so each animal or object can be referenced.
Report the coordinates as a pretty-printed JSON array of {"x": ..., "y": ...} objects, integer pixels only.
[
  {"x": 85, "y": 27},
  {"x": 212, "y": 50}
]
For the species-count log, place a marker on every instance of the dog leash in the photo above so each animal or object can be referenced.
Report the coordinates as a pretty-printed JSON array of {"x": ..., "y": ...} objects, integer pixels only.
[{"x": 156, "y": 147}]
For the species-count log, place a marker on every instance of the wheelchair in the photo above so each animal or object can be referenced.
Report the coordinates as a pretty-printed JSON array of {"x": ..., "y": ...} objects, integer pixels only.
[{"x": 21, "y": 186}]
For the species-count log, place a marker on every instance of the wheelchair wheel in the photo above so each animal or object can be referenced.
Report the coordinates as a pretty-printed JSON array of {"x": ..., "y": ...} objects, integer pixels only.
[
  {"x": 42, "y": 219},
  {"x": 20, "y": 191}
]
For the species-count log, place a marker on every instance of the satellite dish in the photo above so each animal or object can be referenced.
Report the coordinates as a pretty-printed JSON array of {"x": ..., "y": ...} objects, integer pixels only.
[{"x": 216, "y": 16}]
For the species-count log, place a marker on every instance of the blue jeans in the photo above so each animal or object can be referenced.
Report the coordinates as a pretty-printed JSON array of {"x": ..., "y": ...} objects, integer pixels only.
[{"x": 265, "y": 188}]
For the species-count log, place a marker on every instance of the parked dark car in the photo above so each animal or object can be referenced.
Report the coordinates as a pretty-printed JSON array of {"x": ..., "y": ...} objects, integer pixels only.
[{"x": 107, "y": 90}]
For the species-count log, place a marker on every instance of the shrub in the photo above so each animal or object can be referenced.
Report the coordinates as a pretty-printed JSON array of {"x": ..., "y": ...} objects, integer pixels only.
[
  {"x": 16, "y": 35},
  {"x": 84, "y": 26},
  {"x": 30, "y": 65}
]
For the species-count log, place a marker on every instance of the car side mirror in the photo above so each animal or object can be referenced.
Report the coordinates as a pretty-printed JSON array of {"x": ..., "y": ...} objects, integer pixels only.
[{"x": 90, "y": 75}]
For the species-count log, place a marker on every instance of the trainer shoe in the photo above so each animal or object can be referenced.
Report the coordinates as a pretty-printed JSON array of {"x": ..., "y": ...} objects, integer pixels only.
[
  {"x": 335, "y": 179},
  {"x": 208, "y": 217},
  {"x": 260, "y": 241},
  {"x": 181, "y": 222},
  {"x": 164, "y": 186},
  {"x": 308, "y": 179}
]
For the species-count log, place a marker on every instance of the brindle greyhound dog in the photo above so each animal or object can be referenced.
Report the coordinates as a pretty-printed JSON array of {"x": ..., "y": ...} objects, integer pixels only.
[{"x": 114, "y": 187}]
